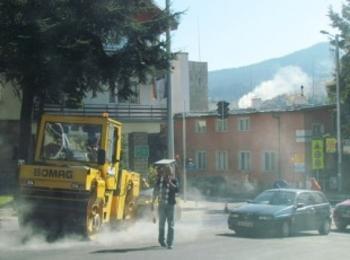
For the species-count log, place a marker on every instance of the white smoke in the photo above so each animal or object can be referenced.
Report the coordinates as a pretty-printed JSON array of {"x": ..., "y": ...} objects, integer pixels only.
[
  {"x": 287, "y": 80},
  {"x": 139, "y": 234}
]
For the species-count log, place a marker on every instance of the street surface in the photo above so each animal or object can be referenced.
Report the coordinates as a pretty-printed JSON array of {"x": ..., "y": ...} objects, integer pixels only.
[{"x": 200, "y": 234}]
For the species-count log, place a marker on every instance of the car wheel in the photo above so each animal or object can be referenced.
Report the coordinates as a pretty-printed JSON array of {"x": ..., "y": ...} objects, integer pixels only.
[
  {"x": 285, "y": 230},
  {"x": 340, "y": 226},
  {"x": 325, "y": 227}
]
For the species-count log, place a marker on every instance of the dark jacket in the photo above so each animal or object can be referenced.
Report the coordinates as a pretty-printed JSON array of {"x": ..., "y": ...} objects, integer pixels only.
[{"x": 165, "y": 191}]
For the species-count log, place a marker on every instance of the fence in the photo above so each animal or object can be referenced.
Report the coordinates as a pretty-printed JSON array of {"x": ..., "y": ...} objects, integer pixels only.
[{"x": 122, "y": 112}]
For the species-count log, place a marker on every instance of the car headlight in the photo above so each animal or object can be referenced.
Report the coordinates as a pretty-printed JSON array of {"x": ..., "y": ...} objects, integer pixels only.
[
  {"x": 234, "y": 215},
  {"x": 265, "y": 217}
]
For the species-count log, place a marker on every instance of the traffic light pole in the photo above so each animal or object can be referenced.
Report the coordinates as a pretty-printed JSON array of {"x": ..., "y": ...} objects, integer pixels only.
[
  {"x": 184, "y": 157},
  {"x": 223, "y": 109}
]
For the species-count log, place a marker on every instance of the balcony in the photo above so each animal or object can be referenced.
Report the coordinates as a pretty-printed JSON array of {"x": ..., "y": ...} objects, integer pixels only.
[{"x": 121, "y": 112}]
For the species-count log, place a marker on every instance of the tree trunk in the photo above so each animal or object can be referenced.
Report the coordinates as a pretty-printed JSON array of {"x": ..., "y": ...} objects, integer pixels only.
[{"x": 25, "y": 130}]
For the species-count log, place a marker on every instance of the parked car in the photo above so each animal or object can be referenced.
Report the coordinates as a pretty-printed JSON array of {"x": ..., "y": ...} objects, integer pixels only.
[
  {"x": 282, "y": 212},
  {"x": 341, "y": 215}
]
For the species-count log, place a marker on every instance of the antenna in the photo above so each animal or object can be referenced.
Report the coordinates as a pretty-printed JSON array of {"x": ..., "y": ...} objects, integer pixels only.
[{"x": 313, "y": 80}]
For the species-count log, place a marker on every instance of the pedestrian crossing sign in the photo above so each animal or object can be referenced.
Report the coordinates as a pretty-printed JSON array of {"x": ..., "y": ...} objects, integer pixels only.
[{"x": 317, "y": 154}]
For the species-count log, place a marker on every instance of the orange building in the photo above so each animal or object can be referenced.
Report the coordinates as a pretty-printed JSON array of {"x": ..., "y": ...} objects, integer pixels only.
[{"x": 255, "y": 147}]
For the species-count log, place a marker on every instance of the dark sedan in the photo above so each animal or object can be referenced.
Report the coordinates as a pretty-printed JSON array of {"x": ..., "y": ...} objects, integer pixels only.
[
  {"x": 282, "y": 212},
  {"x": 341, "y": 215}
]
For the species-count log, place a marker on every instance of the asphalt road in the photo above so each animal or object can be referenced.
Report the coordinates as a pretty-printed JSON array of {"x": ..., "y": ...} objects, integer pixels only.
[{"x": 199, "y": 234}]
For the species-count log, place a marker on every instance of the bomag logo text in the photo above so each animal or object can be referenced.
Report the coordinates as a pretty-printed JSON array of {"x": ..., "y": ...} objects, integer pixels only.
[{"x": 53, "y": 173}]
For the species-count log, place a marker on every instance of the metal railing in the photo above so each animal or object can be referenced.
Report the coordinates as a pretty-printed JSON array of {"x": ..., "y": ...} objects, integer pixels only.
[{"x": 122, "y": 112}]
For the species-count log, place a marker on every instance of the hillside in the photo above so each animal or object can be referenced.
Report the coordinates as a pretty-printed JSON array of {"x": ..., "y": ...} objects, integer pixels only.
[{"x": 231, "y": 84}]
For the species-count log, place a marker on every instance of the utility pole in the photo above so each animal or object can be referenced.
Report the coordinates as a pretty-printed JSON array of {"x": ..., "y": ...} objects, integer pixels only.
[
  {"x": 339, "y": 142},
  {"x": 169, "y": 90},
  {"x": 278, "y": 117},
  {"x": 184, "y": 152}
]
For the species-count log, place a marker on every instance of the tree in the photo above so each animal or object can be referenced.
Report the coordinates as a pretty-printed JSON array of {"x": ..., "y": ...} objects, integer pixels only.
[
  {"x": 341, "y": 22},
  {"x": 51, "y": 49}
]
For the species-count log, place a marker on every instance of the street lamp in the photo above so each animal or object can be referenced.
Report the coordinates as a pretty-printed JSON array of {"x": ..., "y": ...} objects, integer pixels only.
[
  {"x": 337, "y": 72},
  {"x": 169, "y": 91}
]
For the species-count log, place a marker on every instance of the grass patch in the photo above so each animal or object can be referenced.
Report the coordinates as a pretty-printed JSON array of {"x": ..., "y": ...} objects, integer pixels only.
[{"x": 5, "y": 199}]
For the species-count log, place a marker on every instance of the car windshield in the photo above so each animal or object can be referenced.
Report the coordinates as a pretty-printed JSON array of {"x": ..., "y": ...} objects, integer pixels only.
[
  {"x": 275, "y": 198},
  {"x": 71, "y": 142}
]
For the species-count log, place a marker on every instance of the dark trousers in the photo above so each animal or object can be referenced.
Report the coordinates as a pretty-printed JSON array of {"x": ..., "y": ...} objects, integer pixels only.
[{"x": 166, "y": 214}]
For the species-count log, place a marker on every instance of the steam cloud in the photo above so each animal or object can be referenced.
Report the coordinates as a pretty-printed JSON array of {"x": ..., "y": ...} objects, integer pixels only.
[{"x": 287, "y": 80}]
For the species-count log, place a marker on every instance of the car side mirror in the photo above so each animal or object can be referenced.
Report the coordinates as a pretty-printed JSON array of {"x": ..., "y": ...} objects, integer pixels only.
[
  {"x": 101, "y": 157},
  {"x": 300, "y": 205}
]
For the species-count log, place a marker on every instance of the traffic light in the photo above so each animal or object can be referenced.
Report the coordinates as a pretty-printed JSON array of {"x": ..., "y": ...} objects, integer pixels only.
[{"x": 223, "y": 109}]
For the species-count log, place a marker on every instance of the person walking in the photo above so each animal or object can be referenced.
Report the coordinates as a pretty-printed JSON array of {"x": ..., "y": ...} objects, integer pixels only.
[
  {"x": 165, "y": 191},
  {"x": 314, "y": 184}
]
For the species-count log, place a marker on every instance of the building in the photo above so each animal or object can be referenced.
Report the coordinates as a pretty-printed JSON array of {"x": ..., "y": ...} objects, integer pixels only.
[
  {"x": 198, "y": 72},
  {"x": 143, "y": 115},
  {"x": 255, "y": 147}
]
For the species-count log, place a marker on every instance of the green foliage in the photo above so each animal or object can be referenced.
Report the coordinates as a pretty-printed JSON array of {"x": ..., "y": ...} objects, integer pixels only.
[
  {"x": 59, "y": 47},
  {"x": 152, "y": 176},
  {"x": 341, "y": 22},
  {"x": 5, "y": 199},
  {"x": 54, "y": 50}
]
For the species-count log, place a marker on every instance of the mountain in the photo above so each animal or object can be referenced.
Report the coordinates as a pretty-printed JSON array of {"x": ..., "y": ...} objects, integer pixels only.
[{"x": 231, "y": 84}]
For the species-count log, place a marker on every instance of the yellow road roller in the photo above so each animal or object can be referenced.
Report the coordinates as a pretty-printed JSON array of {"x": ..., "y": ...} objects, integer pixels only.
[{"x": 76, "y": 182}]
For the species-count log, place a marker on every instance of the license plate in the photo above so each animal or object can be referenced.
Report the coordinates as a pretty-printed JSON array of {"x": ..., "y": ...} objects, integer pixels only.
[{"x": 245, "y": 224}]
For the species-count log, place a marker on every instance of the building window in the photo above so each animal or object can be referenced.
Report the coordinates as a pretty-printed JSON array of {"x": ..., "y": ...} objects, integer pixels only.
[
  {"x": 269, "y": 161},
  {"x": 221, "y": 125},
  {"x": 201, "y": 126},
  {"x": 243, "y": 124},
  {"x": 112, "y": 144},
  {"x": 244, "y": 161},
  {"x": 317, "y": 129},
  {"x": 201, "y": 160},
  {"x": 302, "y": 136},
  {"x": 221, "y": 160}
]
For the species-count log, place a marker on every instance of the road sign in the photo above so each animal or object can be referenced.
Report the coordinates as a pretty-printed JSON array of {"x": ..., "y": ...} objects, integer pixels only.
[
  {"x": 141, "y": 151},
  {"x": 331, "y": 145},
  {"x": 299, "y": 162},
  {"x": 317, "y": 154}
]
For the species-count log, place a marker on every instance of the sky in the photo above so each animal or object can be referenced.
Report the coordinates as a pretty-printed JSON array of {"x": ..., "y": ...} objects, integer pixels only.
[{"x": 234, "y": 33}]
